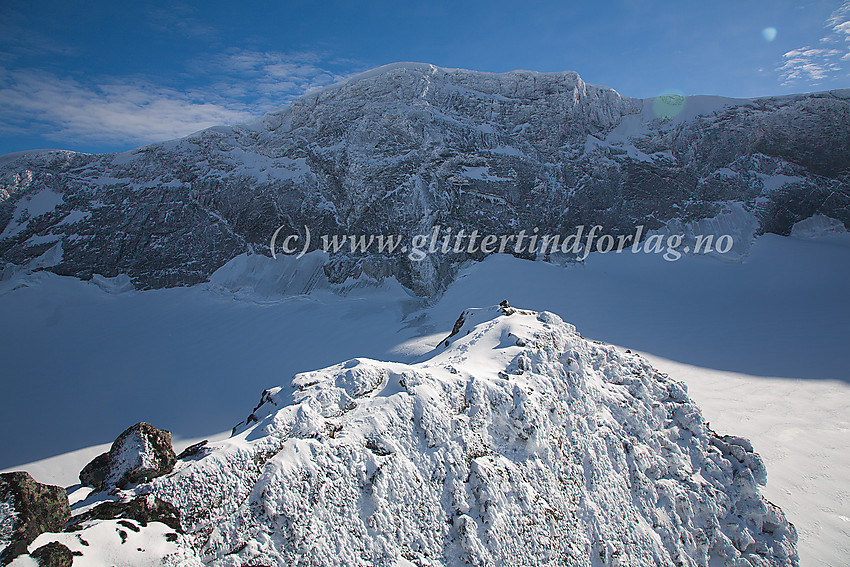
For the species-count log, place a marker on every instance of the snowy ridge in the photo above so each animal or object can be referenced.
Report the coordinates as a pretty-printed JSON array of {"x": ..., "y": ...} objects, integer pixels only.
[
  {"x": 515, "y": 442},
  {"x": 407, "y": 147}
]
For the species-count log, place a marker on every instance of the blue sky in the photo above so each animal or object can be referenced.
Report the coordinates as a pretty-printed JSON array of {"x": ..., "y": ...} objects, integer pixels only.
[{"x": 103, "y": 76}]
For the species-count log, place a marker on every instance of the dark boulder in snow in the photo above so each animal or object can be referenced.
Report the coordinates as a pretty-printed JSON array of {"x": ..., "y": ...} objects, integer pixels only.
[
  {"x": 143, "y": 509},
  {"x": 28, "y": 509},
  {"x": 139, "y": 454},
  {"x": 53, "y": 554},
  {"x": 193, "y": 450},
  {"x": 94, "y": 473}
]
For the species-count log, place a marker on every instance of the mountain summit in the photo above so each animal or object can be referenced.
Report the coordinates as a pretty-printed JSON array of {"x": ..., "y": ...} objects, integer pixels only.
[{"x": 409, "y": 147}]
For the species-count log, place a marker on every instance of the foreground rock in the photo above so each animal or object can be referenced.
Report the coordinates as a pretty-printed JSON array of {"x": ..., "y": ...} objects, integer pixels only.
[
  {"x": 139, "y": 454},
  {"x": 28, "y": 509},
  {"x": 53, "y": 554},
  {"x": 143, "y": 509},
  {"x": 138, "y": 531},
  {"x": 135, "y": 529}
]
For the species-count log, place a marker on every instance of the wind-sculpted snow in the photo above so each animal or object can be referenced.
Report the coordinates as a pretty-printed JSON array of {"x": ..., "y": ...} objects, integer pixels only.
[
  {"x": 408, "y": 147},
  {"x": 515, "y": 442}
]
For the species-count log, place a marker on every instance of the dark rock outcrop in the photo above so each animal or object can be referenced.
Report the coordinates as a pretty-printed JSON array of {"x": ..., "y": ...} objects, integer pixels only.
[
  {"x": 140, "y": 453},
  {"x": 142, "y": 509},
  {"x": 198, "y": 448},
  {"x": 53, "y": 554},
  {"x": 28, "y": 509},
  {"x": 95, "y": 472}
]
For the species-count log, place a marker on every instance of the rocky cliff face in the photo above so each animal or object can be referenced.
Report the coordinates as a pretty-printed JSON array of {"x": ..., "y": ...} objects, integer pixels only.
[{"x": 407, "y": 147}]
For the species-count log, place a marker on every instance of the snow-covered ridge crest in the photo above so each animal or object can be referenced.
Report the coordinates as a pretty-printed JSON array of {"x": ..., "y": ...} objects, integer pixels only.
[
  {"x": 515, "y": 442},
  {"x": 489, "y": 82}
]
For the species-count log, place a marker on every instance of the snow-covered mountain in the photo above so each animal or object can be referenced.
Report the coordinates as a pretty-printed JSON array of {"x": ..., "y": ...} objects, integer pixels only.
[
  {"x": 407, "y": 147},
  {"x": 514, "y": 442}
]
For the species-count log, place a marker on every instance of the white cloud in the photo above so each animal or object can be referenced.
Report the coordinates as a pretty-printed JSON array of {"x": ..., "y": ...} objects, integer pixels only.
[
  {"x": 119, "y": 110},
  {"x": 813, "y": 64},
  {"x": 17, "y": 39},
  {"x": 180, "y": 18},
  {"x": 271, "y": 78},
  {"x": 228, "y": 88},
  {"x": 809, "y": 64},
  {"x": 839, "y": 21}
]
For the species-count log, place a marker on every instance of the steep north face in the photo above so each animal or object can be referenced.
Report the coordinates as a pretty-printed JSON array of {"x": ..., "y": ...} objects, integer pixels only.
[{"x": 407, "y": 147}]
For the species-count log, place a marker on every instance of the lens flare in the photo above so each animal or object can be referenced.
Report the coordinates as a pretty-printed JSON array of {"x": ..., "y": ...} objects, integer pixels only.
[
  {"x": 669, "y": 104},
  {"x": 769, "y": 34}
]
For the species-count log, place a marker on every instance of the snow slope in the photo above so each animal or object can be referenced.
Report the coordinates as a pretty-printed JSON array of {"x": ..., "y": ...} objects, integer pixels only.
[
  {"x": 185, "y": 359},
  {"x": 801, "y": 429},
  {"x": 198, "y": 355}
]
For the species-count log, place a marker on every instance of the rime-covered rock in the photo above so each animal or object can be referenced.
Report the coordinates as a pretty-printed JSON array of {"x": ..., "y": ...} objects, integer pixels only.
[
  {"x": 140, "y": 453},
  {"x": 516, "y": 442},
  {"x": 28, "y": 509}
]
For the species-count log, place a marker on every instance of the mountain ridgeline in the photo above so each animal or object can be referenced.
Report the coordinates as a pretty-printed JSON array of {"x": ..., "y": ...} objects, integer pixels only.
[{"x": 407, "y": 147}]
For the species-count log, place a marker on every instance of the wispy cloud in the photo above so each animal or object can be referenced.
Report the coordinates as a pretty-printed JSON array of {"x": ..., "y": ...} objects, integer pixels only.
[
  {"x": 119, "y": 110},
  {"x": 230, "y": 87},
  {"x": 271, "y": 78},
  {"x": 812, "y": 65},
  {"x": 809, "y": 64},
  {"x": 180, "y": 18},
  {"x": 18, "y": 41},
  {"x": 839, "y": 22}
]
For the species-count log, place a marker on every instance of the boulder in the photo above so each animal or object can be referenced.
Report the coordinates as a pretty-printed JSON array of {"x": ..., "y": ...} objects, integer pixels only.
[
  {"x": 139, "y": 454},
  {"x": 193, "y": 450},
  {"x": 94, "y": 474},
  {"x": 28, "y": 509},
  {"x": 53, "y": 554}
]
